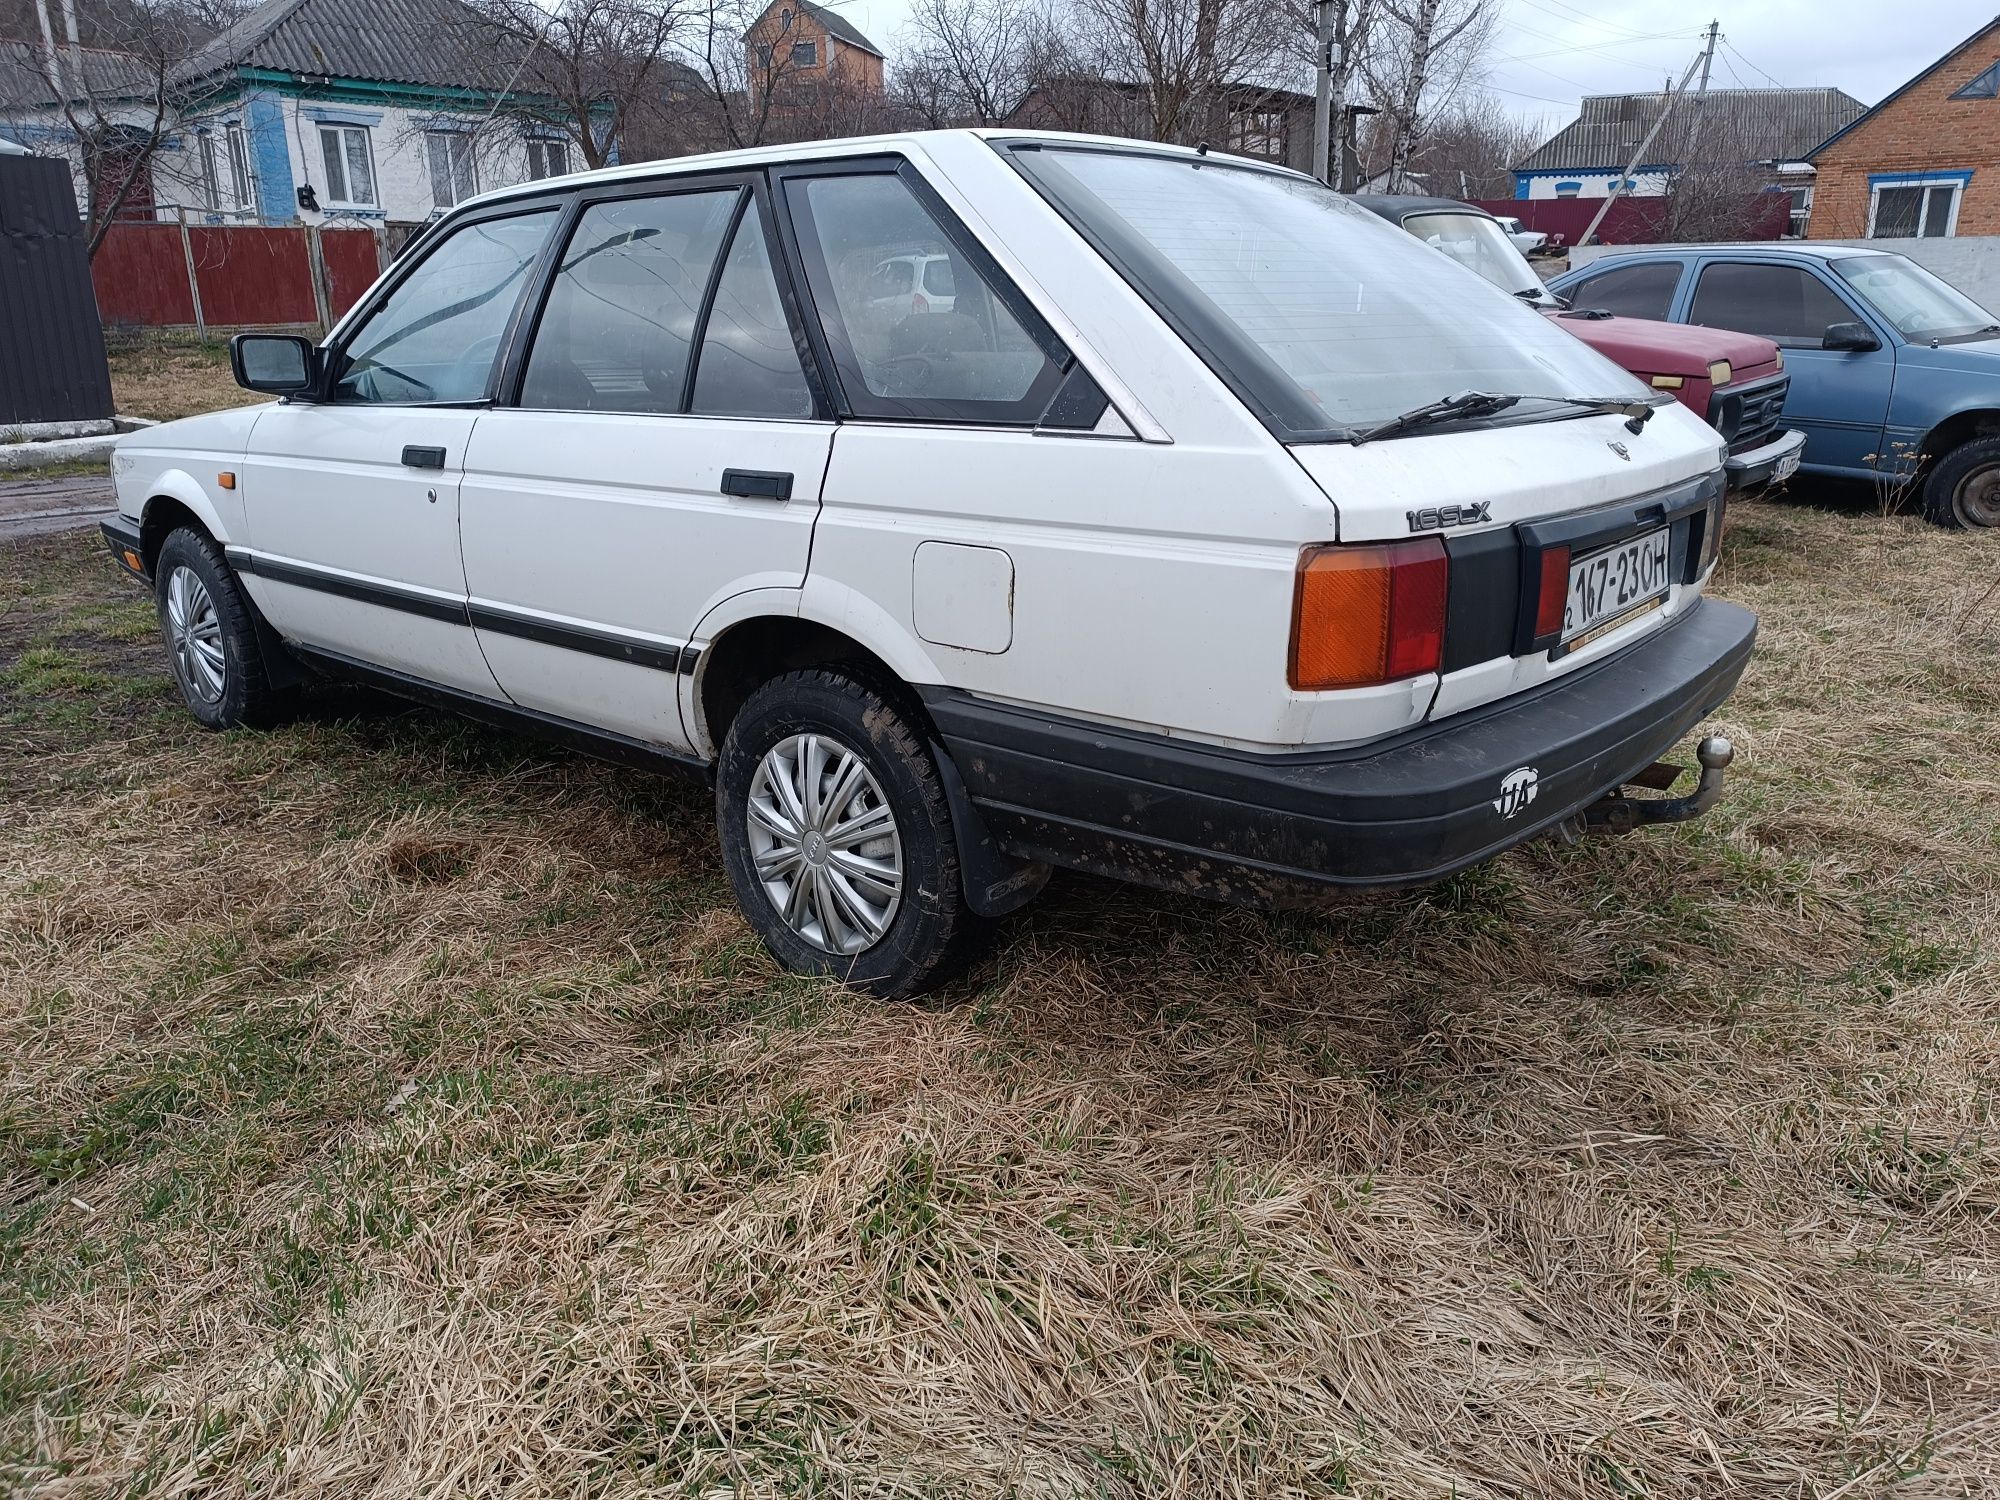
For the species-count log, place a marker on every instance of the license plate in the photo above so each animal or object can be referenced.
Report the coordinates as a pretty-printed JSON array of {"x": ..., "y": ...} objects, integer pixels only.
[
  {"x": 1787, "y": 467},
  {"x": 1613, "y": 582}
]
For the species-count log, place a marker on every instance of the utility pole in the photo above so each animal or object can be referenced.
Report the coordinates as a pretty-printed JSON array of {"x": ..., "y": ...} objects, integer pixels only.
[
  {"x": 1706, "y": 56},
  {"x": 49, "y": 51},
  {"x": 1323, "y": 101}
]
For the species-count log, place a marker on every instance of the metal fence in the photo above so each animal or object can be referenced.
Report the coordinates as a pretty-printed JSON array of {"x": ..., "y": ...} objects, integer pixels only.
[
  {"x": 52, "y": 365},
  {"x": 209, "y": 277}
]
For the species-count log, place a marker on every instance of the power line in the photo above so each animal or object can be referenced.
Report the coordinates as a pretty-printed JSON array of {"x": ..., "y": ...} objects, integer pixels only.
[
  {"x": 1571, "y": 15},
  {"x": 1521, "y": 94},
  {"x": 1731, "y": 46}
]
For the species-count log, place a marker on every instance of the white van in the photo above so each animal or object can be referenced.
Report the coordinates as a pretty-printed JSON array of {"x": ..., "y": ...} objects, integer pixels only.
[{"x": 1215, "y": 534}]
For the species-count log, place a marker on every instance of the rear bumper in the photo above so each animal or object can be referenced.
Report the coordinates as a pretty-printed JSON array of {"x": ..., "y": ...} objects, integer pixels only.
[
  {"x": 1774, "y": 462},
  {"x": 1257, "y": 828}
]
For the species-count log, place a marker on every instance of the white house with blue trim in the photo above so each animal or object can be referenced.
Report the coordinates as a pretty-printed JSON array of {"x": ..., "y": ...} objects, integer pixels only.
[
  {"x": 342, "y": 111},
  {"x": 1771, "y": 129}
]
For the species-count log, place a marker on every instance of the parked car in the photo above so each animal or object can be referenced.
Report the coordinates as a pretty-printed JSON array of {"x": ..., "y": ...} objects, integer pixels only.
[
  {"x": 1219, "y": 537},
  {"x": 1895, "y": 372},
  {"x": 1735, "y": 382},
  {"x": 1525, "y": 240}
]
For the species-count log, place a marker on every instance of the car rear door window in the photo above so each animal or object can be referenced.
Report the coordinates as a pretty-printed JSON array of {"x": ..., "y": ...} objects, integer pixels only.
[
  {"x": 620, "y": 320},
  {"x": 903, "y": 348},
  {"x": 1630, "y": 291},
  {"x": 749, "y": 363},
  {"x": 1784, "y": 303},
  {"x": 435, "y": 337}
]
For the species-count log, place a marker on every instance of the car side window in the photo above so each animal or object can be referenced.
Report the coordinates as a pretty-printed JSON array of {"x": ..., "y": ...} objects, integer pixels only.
[
  {"x": 749, "y": 363},
  {"x": 619, "y": 323},
  {"x": 1630, "y": 291},
  {"x": 908, "y": 340},
  {"x": 1785, "y": 303},
  {"x": 437, "y": 335}
]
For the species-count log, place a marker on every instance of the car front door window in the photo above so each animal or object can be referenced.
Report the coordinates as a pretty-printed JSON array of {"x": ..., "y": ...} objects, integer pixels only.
[
  {"x": 436, "y": 336},
  {"x": 1786, "y": 304}
]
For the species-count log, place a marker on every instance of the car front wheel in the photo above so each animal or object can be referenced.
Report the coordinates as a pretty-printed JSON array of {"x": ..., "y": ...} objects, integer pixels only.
[
  {"x": 837, "y": 836},
  {"x": 211, "y": 636}
]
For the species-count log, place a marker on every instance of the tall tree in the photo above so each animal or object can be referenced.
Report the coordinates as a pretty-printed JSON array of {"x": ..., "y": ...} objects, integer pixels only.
[
  {"x": 970, "y": 62},
  {"x": 586, "y": 65},
  {"x": 1425, "y": 52}
]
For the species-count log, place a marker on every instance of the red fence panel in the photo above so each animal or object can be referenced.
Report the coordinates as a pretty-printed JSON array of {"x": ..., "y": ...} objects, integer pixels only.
[
  {"x": 1631, "y": 220},
  {"x": 352, "y": 264},
  {"x": 249, "y": 274},
  {"x": 141, "y": 276}
]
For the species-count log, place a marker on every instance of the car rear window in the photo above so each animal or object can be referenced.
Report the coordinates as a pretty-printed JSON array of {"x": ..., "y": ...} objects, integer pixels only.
[{"x": 1321, "y": 316}]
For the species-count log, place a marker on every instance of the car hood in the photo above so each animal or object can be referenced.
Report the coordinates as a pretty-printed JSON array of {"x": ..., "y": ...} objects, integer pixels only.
[
  {"x": 226, "y": 431},
  {"x": 1670, "y": 348},
  {"x": 1974, "y": 355}
]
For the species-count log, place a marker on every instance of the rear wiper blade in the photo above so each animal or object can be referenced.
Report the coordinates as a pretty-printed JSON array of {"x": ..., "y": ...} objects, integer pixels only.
[
  {"x": 1637, "y": 411},
  {"x": 1464, "y": 405}
]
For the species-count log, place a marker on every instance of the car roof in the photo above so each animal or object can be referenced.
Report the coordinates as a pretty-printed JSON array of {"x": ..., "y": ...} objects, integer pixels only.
[
  {"x": 856, "y": 145},
  {"x": 1397, "y": 206},
  {"x": 1740, "y": 247}
]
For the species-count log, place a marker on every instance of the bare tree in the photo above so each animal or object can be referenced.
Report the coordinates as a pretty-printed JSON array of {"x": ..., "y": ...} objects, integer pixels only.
[
  {"x": 1182, "y": 55},
  {"x": 584, "y": 65},
  {"x": 1468, "y": 150},
  {"x": 970, "y": 62},
  {"x": 112, "y": 104},
  {"x": 1425, "y": 52}
]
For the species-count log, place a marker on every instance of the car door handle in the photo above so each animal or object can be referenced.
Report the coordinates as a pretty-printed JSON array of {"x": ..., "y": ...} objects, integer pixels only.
[
  {"x": 756, "y": 484},
  {"x": 423, "y": 458}
]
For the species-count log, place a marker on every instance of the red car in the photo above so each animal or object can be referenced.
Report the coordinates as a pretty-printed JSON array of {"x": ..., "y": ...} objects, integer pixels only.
[{"x": 1734, "y": 381}]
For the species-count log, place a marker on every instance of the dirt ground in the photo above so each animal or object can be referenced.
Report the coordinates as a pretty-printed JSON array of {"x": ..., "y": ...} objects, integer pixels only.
[
  {"x": 152, "y": 377},
  {"x": 391, "y": 1107}
]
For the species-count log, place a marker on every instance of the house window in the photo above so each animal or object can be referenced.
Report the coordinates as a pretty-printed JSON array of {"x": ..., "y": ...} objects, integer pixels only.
[
  {"x": 764, "y": 56},
  {"x": 453, "y": 175},
  {"x": 1985, "y": 86},
  {"x": 242, "y": 185},
  {"x": 1916, "y": 208},
  {"x": 1261, "y": 132},
  {"x": 785, "y": 19},
  {"x": 805, "y": 54},
  {"x": 211, "y": 192},
  {"x": 547, "y": 159},
  {"x": 350, "y": 166},
  {"x": 1568, "y": 189},
  {"x": 1801, "y": 211}
]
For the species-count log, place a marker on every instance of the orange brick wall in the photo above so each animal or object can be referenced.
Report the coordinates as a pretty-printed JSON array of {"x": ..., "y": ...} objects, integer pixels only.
[{"x": 1926, "y": 130}]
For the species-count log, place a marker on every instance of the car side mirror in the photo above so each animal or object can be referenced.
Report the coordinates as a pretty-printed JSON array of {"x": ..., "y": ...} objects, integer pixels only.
[
  {"x": 278, "y": 364},
  {"x": 1850, "y": 338}
]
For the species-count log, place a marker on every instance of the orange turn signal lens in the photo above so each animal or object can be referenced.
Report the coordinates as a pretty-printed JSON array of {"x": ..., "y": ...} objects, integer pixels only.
[
  {"x": 1367, "y": 614},
  {"x": 226, "y": 479}
]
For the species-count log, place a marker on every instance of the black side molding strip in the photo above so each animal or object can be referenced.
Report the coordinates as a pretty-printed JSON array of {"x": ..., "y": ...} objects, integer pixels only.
[
  {"x": 618, "y": 748},
  {"x": 605, "y": 643},
  {"x": 428, "y": 606}
]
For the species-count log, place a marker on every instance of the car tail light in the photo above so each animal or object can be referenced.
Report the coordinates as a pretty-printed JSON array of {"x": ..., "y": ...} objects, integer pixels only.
[
  {"x": 1368, "y": 614},
  {"x": 1551, "y": 596}
]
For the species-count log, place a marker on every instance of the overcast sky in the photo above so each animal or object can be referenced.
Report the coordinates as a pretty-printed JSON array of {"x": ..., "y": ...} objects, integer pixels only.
[{"x": 1550, "y": 53}]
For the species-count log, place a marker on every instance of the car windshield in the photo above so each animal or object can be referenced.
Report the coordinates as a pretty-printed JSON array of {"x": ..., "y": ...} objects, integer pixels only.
[
  {"x": 1322, "y": 317},
  {"x": 1479, "y": 244},
  {"x": 1918, "y": 303}
]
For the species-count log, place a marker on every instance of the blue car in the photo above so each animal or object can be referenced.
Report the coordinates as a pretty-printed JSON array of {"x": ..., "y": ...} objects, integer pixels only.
[{"x": 1895, "y": 374}]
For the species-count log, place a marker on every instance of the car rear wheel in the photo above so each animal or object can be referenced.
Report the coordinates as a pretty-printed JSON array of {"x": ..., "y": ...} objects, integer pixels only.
[
  {"x": 211, "y": 636},
  {"x": 837, "y": 836},
  {"x": 1963, "y": 489}
]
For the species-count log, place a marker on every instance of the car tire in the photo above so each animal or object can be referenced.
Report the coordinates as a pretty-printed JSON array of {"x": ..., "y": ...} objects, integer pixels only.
[
  {"x": 815, "y": 760},
  {"x": 1963, "y": 488},
  {"x": 211, "y": 637}
]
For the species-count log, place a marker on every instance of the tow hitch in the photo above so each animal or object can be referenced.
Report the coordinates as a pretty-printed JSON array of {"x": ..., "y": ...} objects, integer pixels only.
[{"x": 1617, "y": 813}]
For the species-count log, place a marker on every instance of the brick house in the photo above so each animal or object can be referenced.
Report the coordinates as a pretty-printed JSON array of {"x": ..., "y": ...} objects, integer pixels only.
[
  {"x": 797, "y": 43},
  {"x": 1925, "y": 162}
]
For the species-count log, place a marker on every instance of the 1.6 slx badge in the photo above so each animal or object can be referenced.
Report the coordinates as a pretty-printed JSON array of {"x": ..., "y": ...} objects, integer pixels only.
[{"x": 1437, "y": 517}]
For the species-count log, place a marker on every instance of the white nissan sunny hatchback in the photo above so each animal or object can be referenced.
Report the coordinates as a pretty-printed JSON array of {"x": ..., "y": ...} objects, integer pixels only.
[{"x": 1211, "y": 533}]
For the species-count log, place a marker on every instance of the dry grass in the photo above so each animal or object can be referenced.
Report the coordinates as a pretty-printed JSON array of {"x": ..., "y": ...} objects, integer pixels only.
[
  {"x": 152, "y": 376},
  {"x": 391, "y": 1108}
]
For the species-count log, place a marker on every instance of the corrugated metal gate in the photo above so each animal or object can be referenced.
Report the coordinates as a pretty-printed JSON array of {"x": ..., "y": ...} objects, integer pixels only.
[{"x": 52, "y": 366}]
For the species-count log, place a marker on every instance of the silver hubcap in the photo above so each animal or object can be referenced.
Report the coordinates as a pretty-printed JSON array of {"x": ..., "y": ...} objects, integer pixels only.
[
  {"x": 825, "y": 844},
  {"x": 1978, "y": 498},
  {"x": 195, "y": 634}
]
